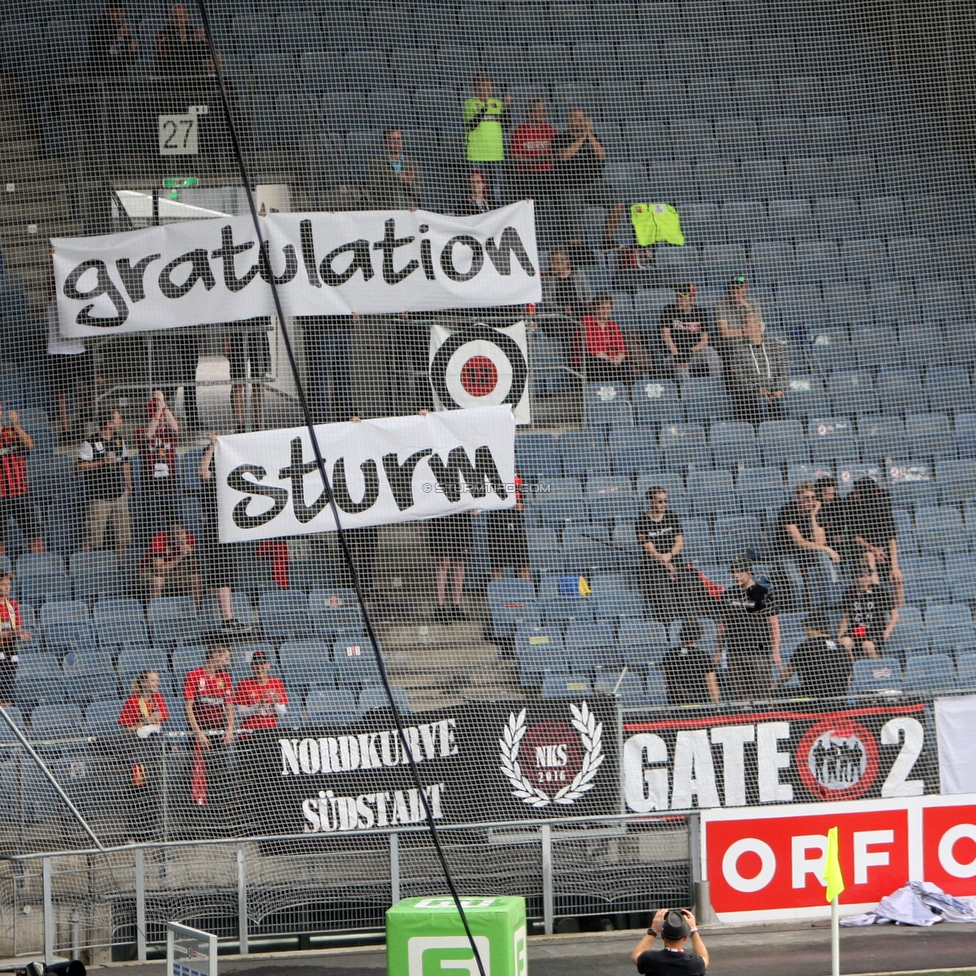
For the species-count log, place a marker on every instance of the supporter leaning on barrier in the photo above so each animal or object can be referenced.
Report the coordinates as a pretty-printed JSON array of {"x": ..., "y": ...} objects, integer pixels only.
[
  {"x": 675, "y": 926},
  {"x": 261, "y": 699},
  {"x": 689, "y": 675},
  {"x": 208, "y": 694},
  {"x": 144, "y": 710},
  {"x": 15, "y": 498},
  {"x": 869, "y": 612},
  {"x": 822, "y": 663},
  {"x": 477, "y": 200},
  {"x": 395, "y": 181},
  {"x": 12, "y": 634},
  {"x": 103, "y": 459}
]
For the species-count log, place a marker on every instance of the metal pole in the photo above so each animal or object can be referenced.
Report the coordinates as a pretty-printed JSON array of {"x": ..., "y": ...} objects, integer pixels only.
[
  {"x": 834, "y": 939},
  {"x": 140, "y": 904},
  {"x": 545, "y": 834},
  {"x": 394, "y": 868},
  {"x": 48, "y": 912},
  {"x": 155, "y": 207},
  {"x": 242, "y": 899}
]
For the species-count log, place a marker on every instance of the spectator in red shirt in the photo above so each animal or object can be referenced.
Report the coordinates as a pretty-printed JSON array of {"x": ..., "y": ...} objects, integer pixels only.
[
  {"x": 260, "y": 699},
  {"x": 170, "y": 565},
  {"x": 604, "y": 350},
  {"x": 15, "y": 503},
  {"x": 157, "y": 443},
  {"x": 532, "y": 151},
  {"x": 208, "y": 694},
  {"x": 12, "y": 634},
  {"x": 144, "y": 710}
]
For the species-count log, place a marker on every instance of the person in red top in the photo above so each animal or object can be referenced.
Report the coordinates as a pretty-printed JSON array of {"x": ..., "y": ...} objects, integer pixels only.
[
  {"x": 604, "y": 350},
  {"x": 15, "y": 502},
  {"x": 157, "y": 443},
  {"x": 12, "y": 634},
  {"x": 170, "y": 564},
  {"x": 144, "y": 710},
  {"x": 208, "y": 694},
  {"x": 532, "y": 151},
  {"x": 260, "y": 699}
]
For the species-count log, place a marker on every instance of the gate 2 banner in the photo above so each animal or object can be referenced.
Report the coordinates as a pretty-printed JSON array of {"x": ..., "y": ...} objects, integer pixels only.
[
  {"x": 786, "y": 755},
  {"x": 371, "y": 262},
  {"x": 768, "y": 864},
  {"x": 398, "y": 469},
  {"x": 480, "y": 366},
  {"x": 478, "y": 763}
]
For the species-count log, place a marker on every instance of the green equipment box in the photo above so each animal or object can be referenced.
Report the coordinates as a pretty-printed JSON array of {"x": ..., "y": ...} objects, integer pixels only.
[{"x": 425, "y": 937}]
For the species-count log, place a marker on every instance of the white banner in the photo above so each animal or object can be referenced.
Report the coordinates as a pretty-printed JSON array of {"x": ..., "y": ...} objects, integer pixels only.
[
  {"x": 398, "y": 469},
  {"x": 370, "y": 262},
  {"x": 480, "y": 366},
  {"x": 955, "y": 729}
]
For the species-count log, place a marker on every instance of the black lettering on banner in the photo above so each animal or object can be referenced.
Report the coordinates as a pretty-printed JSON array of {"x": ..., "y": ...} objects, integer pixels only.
[
  {"x": 103, "y": 286},
  {"x": 360, "y": 261},
  {"x": 296, "y": 471},
  {"x": 508, "y": 244},
  {"x": 341, "y": 489},
  {"x": 236, "y": 481},
  {"x": 458, "y": 466},
  {"x": 308, "y": 253},
  {"x": 400, "y": 476},
  {"x": 291, "y": 264},
  {"x": 227, "y": 251},
  {"x": 200, "y": 259},
  {"x": 426, "y": 254},
  {"x": 132, "y": 276},
  {"x": 388, "y": 245},
  {"x": 477, "y": 258}
]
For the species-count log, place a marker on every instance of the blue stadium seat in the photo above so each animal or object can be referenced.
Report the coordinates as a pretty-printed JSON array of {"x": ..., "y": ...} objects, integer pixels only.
[
  {"x": 852, "y": 392},
  {"x": 38, "y": 681},
  {"x": 930, "y": 673},
  {"x": 512, "y": 603},
  {"x": 173, "y": 619},
  {"x": 832, "y": 438},
  {"x": 334, "y": 610},
  {"x": 538, "y": 650},
  {"x": 331, "y": 707},
  {"x": 588, "y": 646},
  {"x": 610, "y": 498},
  {"x": 565, "y": 685},
  {"x": 656, "y": 402},
  {"x": 284, "y": 615},
  {"x": 537, "y": 457},
  {"x": 683, "y": 444},
  {"x": 582, "y": 450},
  {"x": 607, "y": 404},
  {"x": 712, "y": 492},
  {"x": 95, "y": 575},
  {"x": 879, "y": 676},
  {"x": 373, "y": 698},
  {"x": 119, "y": 622},
  {"x": 930, "y": 434},
  {"x": 102, "y": 718},
  {"x": 704, "y": 400},
  {"x": 306, "y": 664},
  {"x": 966, "y": 670},
  {"x": 355, "y": 662},
  {"x": 642, "y": 643},
  {"x": 761, "y": 489},
  {"x": 882, "y": 437},
  {"x": 633, "y": 449},
  {"x": 134, "y": 658},
  {"x": 733, "y": 444}
]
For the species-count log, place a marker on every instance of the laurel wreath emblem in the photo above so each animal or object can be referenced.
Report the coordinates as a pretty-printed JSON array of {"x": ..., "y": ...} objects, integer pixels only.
[{"x": 591, "y": 736}]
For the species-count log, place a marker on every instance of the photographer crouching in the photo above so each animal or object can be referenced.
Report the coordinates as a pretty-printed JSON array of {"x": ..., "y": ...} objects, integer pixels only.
[{"x": 675, "y": 926}]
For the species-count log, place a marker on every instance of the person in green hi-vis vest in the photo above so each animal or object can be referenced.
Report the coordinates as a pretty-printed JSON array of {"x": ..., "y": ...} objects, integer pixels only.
[{"x": 485, "y": 121}]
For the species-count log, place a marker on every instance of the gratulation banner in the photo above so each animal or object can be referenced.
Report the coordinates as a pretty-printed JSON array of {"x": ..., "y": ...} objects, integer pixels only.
[{"x": 369, "y": 262}]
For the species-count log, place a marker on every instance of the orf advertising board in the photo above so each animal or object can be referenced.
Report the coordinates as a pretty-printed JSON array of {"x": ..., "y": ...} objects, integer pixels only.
[{"x": 768, "y": 863}]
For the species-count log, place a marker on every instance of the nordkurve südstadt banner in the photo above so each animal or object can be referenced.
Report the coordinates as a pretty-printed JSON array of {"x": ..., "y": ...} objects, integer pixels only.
[
  {"x": 395, "y": 469},
  {"x": 368, "y": 262},
  {"x": 783, "y": 753},
  {"x": 478, "y": 763}
]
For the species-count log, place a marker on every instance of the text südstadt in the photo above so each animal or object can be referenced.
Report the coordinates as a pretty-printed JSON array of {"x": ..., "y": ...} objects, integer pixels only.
[
  {"x": 320, "y": 758},
  {"x": 322, "y": 264}
]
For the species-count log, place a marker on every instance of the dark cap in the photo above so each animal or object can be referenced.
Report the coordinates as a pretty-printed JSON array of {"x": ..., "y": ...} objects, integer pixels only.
[
  {"x": 675, "y": 925},
  {"x": 741, "y": 564},
  {"x": 818, "y": 620},
  {"x": 738, "y": 281},
  {"x": 259, "y": 657},
  {"x": 687, "y": 289}
]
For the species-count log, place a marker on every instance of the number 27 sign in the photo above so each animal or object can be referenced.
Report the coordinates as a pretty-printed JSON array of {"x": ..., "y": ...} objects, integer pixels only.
[
  {"x": 178, "y": 135},
  {"x": 768, "y": 863}
]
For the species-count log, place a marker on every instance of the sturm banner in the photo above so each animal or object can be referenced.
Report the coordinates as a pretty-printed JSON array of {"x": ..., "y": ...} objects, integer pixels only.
[
  {"x": 370, "y": 262},
  {"x": 396, "y": 469},
  {"x": 478, "y": 763},
  {"x": 479, "y": 365},
  {"x": 782, "y": 755}
]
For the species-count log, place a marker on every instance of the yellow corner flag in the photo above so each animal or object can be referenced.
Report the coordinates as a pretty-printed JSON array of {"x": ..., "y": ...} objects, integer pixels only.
[{"x": 832, "y": 872}]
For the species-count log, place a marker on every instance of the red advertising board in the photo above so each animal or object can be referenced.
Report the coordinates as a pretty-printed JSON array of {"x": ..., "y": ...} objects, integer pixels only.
[{"x": 768, "y": 863}]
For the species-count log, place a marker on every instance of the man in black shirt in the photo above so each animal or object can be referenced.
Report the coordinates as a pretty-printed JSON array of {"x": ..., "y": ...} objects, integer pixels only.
[
  {"x": 873, "y": 532},
  {"x": 685, "y": 335},
  {"x": 870, "y": 614},
  {"x": 659, "y": 534},
  {"x": 688, "y": 673},
  {"x": 180, "y": 50},
  {"x": 103, "y": 459},
  {"x": 802, "y": 550},
  {"x": 675, "y": 925},
  {"x": 822, "y": 664},
  {"x": 833, "y": 516},
  {"x": 111, "y": 48},
  {"x": 579, "y": 157},
  {"x": 748, "y": 629}
]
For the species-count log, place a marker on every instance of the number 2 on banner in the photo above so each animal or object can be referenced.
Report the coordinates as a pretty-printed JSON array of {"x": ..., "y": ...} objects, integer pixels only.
[
  {"x": 178, "y": 135},
  {"x": 898, "y": 783}
]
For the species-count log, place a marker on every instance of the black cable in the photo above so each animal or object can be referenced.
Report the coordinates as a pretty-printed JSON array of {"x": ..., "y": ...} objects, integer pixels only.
[{"x": 327, "y": 487}]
